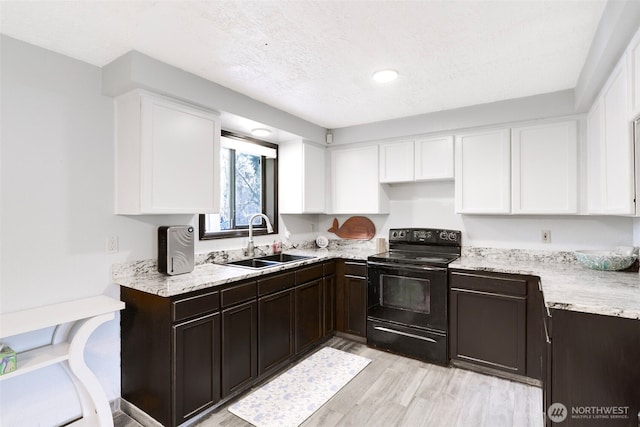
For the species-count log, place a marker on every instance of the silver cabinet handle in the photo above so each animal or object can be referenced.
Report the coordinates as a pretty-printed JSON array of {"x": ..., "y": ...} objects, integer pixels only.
[{"x": 406, "y": 334}]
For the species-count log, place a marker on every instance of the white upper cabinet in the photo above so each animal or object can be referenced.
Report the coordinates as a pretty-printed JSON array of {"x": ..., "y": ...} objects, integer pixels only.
[
  {"x": 301, "y": 183},
  {"x": 544, "y": 169},
  {"x": 611, "y": 149},
  {"x": 396, "y": 161},
  {"x": 167, "y": 157},
  {"x": 355, "y": 187},
  {"x": 434, "y": 158},
  {"x": 482, "y": 172},
  {"x": 427, "y": 158}
]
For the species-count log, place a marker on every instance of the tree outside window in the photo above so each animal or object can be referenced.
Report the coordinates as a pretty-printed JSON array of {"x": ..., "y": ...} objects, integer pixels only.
[{"x": 247, "y": 186}]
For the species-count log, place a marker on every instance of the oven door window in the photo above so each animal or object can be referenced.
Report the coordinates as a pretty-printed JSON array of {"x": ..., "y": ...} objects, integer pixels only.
[{"x": 405, "y": 293}]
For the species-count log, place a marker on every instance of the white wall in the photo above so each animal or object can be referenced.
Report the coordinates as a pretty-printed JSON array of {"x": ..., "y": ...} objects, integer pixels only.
[
  {"x": 431, "y": 204},
  {"x": 136, "y": 70},
  {"x": 56, "y": 179},
  {"x": 57, "y": 211},
  {"x": 536, "y": 107},
  {"x": 56, "y": 170},
  {"x": 636, "y": 232}
]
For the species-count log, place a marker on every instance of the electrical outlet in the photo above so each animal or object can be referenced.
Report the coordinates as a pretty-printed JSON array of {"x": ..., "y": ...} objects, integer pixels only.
[
  {"x": 112, "y": 244},
  {"x": 546, "y": 236}
]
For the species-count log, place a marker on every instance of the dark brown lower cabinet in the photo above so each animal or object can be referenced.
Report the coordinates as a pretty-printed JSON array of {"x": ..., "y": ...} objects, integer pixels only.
[
  {"x": 189, "y": 353},
  {"x": 595, "y": 369},
  {"x": 355, "y": 297},
  {"x": 275, "y": 330},
  {"x": 170, "y": 353},
  {"x": 351, "y": 298},
  {"x": 239, "y": 347},
  {"x": 495, "y": 323},
  {"x": 309, "y": 314},
  {"x": 329, "y": 298},
  {"x": 197, "y": 366}
]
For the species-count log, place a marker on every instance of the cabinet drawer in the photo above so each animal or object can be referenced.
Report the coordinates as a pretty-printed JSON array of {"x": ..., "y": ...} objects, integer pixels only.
[
  {"x": 239, "y": 293},
  {"x": 276, "y": 283},
  {"x": 486, "y": 283},
  {"x": 195, "y": 306},
  {"x": 329, "y": 268},
  {"x": 355, "y": 269},
  {"x": 308, "y": 274}
]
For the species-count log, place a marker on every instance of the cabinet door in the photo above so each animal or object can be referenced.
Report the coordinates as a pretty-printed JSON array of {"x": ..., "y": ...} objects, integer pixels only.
[
  {"x": 309, "y": 313},
  {"x": 180, "y": 158},
  {"x": 301, "y": 178},
  {"x": 488, "y": 329},
  {"x": 434, "y": 158},
  {"x": 275, "y": 330},
  {"x": 313, "y": 199},
  {"x": 355, "y": 302},
  {"x": 329, "y": 297},
  {"x": 483, "y": 172},
  {"x": 197, "y": 366},
  {"x": 239, "y": 347},
  {"x": 355, "y": 183},
  {"x": 544, "y": 160},
  {"x": 618, "y": 155},
  {"x": 396, "y": 161},
  {"x": 595, "y": 362}
]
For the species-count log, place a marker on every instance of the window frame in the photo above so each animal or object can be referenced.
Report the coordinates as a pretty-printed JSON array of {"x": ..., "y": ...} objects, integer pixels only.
[{"x": 258, "y": 230}]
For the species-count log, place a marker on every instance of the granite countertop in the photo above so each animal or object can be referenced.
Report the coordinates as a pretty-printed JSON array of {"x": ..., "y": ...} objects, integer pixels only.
[
  {"x": 570, "y": 286},
  {"x": 145, "y": 277},
  {"x": 565, "y": 284}
]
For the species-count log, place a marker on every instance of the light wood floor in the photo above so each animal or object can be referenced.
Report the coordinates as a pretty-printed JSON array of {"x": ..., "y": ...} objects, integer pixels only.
[{"x": 397, "y": 391}]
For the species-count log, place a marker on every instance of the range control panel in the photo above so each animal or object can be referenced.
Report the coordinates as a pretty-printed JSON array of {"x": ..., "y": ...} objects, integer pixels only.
[{"x": 431, "y": 236}]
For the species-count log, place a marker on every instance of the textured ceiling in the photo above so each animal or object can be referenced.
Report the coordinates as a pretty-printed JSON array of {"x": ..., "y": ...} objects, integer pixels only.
[{"x": 314, "y": 59}]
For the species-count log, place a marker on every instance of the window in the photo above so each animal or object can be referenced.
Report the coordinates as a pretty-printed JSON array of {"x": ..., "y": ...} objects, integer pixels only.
[{"x": 248, "y": 185}]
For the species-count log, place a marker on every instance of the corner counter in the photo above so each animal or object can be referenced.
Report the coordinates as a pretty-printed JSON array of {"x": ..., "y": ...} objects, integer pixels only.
[{"x": 567, "y": 285}]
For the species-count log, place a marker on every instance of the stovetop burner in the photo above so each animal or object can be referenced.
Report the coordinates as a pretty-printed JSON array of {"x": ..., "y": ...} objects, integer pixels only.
[
  {"x": 414, "y": 258},
  {"x": 421, "y": 246}
]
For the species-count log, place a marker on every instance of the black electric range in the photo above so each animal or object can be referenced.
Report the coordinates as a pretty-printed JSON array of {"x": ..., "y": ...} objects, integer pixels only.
[{"x": 408, "y": 293}]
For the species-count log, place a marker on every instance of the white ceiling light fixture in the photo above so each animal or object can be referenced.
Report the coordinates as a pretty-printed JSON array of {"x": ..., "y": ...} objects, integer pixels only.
[
  {"x": 260, "y": 132},
  {"x": 385, "y": 76}
]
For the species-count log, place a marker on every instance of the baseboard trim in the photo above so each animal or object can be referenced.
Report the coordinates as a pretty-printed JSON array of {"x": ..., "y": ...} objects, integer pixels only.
[
  {"x": 351, "y": 337},
  {"x": 495, "y": 372},
  {"x": 137, "y": 414}
]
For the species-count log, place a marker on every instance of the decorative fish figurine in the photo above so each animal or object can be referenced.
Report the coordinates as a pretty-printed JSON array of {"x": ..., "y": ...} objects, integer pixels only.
[{"x": 356, "y": 228}]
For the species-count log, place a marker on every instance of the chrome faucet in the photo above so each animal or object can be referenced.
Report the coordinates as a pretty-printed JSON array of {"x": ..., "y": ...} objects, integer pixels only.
[{"x": 250, "y": 248}]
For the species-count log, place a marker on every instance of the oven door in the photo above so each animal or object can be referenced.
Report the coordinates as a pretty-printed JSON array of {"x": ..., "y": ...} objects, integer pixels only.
[{"x": 414, "y": 296}]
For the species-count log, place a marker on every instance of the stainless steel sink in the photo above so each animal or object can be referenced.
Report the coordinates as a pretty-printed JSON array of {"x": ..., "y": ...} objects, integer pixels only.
[
  {"x": 253, "y": 263},
  {"x": 268, "y": 261},
  {"x": 282, "y": 258}
]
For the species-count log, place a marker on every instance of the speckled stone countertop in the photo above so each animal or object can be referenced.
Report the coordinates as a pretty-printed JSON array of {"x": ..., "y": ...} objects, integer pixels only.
[
  {"x": 143, "y": 276},
  {"x": 565, "y": 284}
]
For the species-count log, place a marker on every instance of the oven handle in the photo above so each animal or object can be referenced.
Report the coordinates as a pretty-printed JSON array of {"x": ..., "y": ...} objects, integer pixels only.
[
  {"x": 403, "y": 266},
  {"x": 406, "y": 334}
]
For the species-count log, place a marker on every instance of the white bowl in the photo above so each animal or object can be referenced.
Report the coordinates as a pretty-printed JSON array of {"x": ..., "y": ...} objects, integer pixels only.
[
  {"x": 605, "y": 260},
  {"x": 322, "y": 242}
]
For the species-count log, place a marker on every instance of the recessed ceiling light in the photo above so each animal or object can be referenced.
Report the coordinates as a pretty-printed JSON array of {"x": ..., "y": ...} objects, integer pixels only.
[
  {"x": 261, "y": 132},
  {"x": 385, "y": 76}
]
